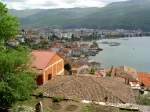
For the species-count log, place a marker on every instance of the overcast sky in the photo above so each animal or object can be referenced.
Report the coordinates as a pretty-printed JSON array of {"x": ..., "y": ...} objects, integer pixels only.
[{"x": 46, "y": 4}]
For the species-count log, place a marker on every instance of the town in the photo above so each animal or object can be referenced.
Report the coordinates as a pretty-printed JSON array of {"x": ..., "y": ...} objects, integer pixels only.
[
  {"x": 49, "y": 58},
  {"x": 61, "y": 58}
]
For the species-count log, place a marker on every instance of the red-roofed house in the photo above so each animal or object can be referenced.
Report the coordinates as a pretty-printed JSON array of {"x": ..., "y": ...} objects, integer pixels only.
[
  {"x": 144, "y": 79},
  {"x": 47, "y": 64}
]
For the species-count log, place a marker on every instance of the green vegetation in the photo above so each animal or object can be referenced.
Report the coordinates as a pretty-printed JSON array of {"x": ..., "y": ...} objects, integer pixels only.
[
  {"x": 16, "y": 80},
  {"x": 68, "y": 68},
  {"x": 87, "y": 108},
  {"x": 67, "y": 106},
  {"x": 40, "y": 94},
  {"x": 48, "y": 110},
  {"x": 92, "y": 71},
  {"x": 143, "y": 99},
  {"x": 92, "y": 37},
  {"x": 108, "y": 74},
  {"x": 54, "y": 17},
  {"x": 57, "y": 98},
  {"x": 9, "y": 25},
  {"x": 98, "y": 108},
  {"x": 43, "y": 44}
]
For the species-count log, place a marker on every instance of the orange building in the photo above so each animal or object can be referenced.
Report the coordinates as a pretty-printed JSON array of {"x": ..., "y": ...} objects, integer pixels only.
[{"x": 47, "y": 64}]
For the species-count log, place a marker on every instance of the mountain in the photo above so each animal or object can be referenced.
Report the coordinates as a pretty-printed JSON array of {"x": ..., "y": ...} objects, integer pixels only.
[
  {"x": 53, "y": 17},
  {"x": 24, "y": 13},
  {"x": 132, "y": 14}
]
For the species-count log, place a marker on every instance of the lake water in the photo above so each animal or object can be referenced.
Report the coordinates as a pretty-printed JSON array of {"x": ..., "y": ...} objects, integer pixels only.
[{"x": 134, "y": 52}]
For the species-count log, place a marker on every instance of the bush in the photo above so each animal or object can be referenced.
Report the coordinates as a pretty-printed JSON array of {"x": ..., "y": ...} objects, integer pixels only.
[
  {"x": 40, "y": 94},
  {"x": 143, "y": 99},
  {"x": 16, "y": 80},
  {"x": 108, "y": 74},
  {"x": 57, "y": 98},
  {"x": 67, "y": 67},
  {"x": 92, "y": 71}
]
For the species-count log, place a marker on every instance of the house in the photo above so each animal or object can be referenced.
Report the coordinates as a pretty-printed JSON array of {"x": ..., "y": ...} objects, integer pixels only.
[
  {"x": 144, "y": 79},
  {"x": 47, "y": 64},
  {"x": 55, "y": 49},
  {"x": 128, "y": 74},
  {"x": 83, "y": 66},
  {"x": 66, "y": 35},
  {"x": 34, "y": 39},
  {"x": 20, "y": 38},
  {"x": 94, "y": 64},
  {"x": 76, "y": 52},
  {"x": 135, "y": 85},
  {"x": 84, "y": 48},
  {"x": 80, "y": 69},
  {"x": 67, "y": 52},
  {"x": 56, "y": 46}
]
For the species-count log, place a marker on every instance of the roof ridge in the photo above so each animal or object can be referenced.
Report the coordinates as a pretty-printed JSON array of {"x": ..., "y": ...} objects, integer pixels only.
[{"x": 51, "y": 58}]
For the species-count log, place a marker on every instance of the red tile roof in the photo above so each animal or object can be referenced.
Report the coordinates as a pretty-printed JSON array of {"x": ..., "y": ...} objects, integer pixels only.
[
  {"x": 144, "y": 78},
  {"x": 41, "y": 59}
]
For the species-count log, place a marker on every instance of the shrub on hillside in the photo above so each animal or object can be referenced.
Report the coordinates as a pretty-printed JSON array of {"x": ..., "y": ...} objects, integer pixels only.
[{"x": 57, "y": 98}]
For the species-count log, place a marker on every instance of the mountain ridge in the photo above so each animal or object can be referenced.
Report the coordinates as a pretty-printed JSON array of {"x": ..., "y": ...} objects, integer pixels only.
[{"x": 132, "y": 14}]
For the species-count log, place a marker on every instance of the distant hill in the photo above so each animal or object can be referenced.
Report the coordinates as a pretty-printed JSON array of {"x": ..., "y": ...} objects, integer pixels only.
[
  {"x": 24, "y": 13},
  {"x": 132, "y": 14},
  {"x": 53, "y": 17}
]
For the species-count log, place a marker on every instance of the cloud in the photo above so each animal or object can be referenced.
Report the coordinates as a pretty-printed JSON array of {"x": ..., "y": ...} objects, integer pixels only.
[{"x": 46, "y": 4}]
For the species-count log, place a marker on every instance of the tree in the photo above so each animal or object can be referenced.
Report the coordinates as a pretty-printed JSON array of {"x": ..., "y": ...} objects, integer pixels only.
[
  {"x": 68, "y": 68},
  {"x": 44, "y": 44},
  {"x": 16, "y": 80},
  {"x": 73, "y": 37},
  {"x": 9, "y": 25},
  {"x": 92, "y": 71}
]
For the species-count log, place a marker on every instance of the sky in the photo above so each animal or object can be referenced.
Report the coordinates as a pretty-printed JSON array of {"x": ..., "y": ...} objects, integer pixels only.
[{"x": 50, "y": 4}]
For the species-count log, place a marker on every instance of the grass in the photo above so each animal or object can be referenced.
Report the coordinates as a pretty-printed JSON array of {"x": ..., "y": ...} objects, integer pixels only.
[
  {"x": 57, "y": 98},
  {"x": 48, "y": 110},
  {"x": 143, "y": 99},
  {"x": 98, "y": 108},
  {"x": 67, "y": 106},
  {"x": 30, "y": 102},
  {"x": 71, "y": 107}
]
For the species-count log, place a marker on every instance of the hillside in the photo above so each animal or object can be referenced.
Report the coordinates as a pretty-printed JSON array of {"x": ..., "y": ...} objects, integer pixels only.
[
  {"x": 54, "y": 17},
  {"x": 132, "y": 14},
  {"x": 129, "y": 15}
]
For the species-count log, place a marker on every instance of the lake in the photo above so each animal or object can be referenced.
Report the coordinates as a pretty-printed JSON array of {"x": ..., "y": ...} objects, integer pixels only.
[{"x": 134, "y": 52}]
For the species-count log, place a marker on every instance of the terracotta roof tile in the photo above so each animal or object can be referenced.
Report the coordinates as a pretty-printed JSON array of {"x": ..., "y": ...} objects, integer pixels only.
[
  {"x": 41, "y": 58},
  {"x": 144, "y": 78}
]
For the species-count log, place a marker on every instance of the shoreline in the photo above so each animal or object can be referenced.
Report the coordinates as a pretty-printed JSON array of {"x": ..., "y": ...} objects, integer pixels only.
[{"x": 140, "y": 65}]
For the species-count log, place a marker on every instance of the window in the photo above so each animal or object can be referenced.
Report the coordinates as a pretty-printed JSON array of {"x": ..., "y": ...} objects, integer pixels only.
[{"x": 49, "y": 76}]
